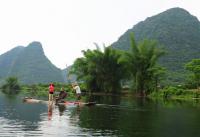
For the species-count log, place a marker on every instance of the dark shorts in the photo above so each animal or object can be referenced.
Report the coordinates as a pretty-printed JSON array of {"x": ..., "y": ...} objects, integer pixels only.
[{"x": 50, "y": 92}]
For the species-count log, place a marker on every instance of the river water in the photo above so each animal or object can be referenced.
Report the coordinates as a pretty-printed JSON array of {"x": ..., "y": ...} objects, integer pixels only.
[{"x": 111, "y": 117}]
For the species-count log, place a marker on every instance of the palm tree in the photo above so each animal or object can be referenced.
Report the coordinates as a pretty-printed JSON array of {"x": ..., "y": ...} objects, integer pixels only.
[
  {"x": 100, "y": 70},
  {"x": 140, "y": 61}
]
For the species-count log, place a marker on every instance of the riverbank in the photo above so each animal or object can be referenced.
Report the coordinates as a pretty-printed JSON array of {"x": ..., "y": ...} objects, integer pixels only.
[
  {"x": 41, "y": 90},
  {"x": 176, "y": 93}
]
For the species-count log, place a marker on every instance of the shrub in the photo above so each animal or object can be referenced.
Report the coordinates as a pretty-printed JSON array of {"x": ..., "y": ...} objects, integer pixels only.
[
  {"x": 11, "y": 86},
  {"x": 170, "y": 91}
]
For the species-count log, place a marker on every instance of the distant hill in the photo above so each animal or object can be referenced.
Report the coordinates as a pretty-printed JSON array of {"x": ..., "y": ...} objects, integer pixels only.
[
  {"x": 69, "y": 78},
  {"x": 29, "y": 64},
  {"x": 179, "y": 33}
]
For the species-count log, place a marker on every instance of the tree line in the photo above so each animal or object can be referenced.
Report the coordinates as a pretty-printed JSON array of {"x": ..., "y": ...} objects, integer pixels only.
[
  {"x": 105, "y": 71},
  {"x": 109, "y": 70}
]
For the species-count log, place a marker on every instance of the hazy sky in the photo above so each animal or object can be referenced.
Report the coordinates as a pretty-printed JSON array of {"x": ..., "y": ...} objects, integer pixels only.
[{"x": 65, "y": 27}]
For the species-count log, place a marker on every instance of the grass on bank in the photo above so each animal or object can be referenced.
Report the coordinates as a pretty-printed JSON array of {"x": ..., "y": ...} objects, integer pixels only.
[
  {"x": 41, "y": 90},
  {"x": 176, "y": 93}
]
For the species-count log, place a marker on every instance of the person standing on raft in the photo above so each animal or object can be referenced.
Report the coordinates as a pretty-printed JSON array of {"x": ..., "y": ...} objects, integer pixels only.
[
  {"x": 77, "y": 90},
  {"x": 51, "y": 91}
]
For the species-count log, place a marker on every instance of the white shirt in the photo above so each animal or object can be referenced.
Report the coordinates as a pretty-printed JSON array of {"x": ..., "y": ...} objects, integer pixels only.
[{"x": 78, "y": 90}]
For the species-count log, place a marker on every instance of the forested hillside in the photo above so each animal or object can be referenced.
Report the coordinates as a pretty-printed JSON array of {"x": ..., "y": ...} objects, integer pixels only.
[
  {"x": 177, "y": 31},
  {"x": 29, "y": 64}
]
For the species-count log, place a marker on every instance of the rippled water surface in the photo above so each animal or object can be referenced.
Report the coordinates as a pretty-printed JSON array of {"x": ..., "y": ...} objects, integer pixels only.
[{"x": 112, "y": 116}]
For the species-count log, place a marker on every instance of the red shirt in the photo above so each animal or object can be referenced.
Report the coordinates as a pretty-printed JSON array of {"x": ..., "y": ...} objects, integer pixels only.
[{"x": 51, "y": 88}]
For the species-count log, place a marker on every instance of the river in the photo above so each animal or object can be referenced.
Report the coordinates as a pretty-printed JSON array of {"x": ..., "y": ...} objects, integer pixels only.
[{"x": 111, "y": 117}]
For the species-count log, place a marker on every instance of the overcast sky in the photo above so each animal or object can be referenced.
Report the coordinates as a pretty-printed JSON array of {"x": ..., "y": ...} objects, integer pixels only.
[{"x": 65, "y": 27}]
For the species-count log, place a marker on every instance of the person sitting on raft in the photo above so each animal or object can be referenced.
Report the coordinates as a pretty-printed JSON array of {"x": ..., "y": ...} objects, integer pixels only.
[{"x": 62, "y": 95}]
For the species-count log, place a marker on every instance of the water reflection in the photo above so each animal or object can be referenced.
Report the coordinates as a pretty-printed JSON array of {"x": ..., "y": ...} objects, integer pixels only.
[
  {"x": 61, "y": 109},
  {"x": 112, "y": 116},
  {"x": 51, "y": 107},
  {"x": 112, "y": 100},
  {"x": 16, "y": 117},
  {"x": 50, "y": 111}
]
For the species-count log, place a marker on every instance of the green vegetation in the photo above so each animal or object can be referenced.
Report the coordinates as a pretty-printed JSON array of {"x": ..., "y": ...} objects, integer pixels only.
[
  {"x": 194, "y": 67},
  {"x": 100, "y": 70},
  {"x": 179, "y": 34},
  {"x": 104, "y": 71},
  {"x": 189, "y": 90},
  {"x": 176, "y": 93},
  {"x": 41, "y": 90},
  {"x": 141, "y": 61},
  {"x": 11, "y": 87},
  {"x": 139, "y": 65}
]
